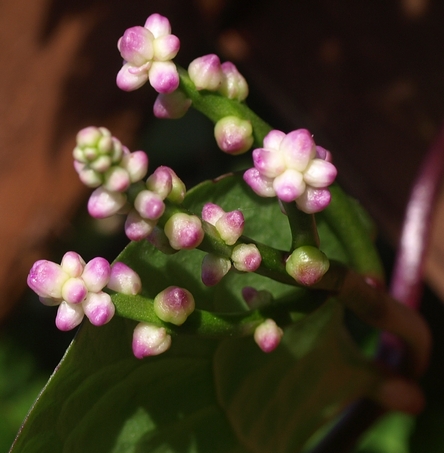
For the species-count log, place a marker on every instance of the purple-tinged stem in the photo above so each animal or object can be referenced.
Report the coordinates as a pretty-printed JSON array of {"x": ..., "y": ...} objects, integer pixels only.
[{"x": 406, "y": 287}]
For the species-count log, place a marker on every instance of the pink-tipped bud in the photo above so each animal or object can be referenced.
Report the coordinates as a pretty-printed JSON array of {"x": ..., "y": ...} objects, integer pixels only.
[
  {"x": 69, "y": 316},
  {"x": 256, "y": 298},
  {"x": 96, "y": 274},
  {"x": 137, "y": 228},
  {"x": 73, "y": 264},
  {"x": 136, "y": 45},
  {"x": 174, "y": 305},
  {"x": 233, "y": 135},
  {"x": 231, "y": 226},
  {"x": 150, "y": 340},
  {"x": 163, "y": 76},
  {"x": 136, "y": 164},
  {"x": 184, "y": 231},
  {"x": 160, "y": 182},
  {"x": 307, "y": 265},
  {"x": 313, "y": 200},
  {"x": 211, "y": 213},
  {"x": 261, "y": 185},
  {"x": 98, "y": 308},
  {"x": 130, "y": 77},
  {"x": 246, "y": 257},
  {"x": 206, "y": 72},
  {"x": 74, "y": 291},
  {"x": 116, "y": 179},
  {"x": 289, "y": 185},
  {"x": 214, "y": 268},
  {"x": 171, "y": 106},
  {"x": 46, "y": 279},
  {"x": 268, "y": 335},
  {"x": 149, "y": 205},
  {"x": 124, "y": 280},
  {"x": 102, "y": 203},
  {"x": 233, "y": 85}
]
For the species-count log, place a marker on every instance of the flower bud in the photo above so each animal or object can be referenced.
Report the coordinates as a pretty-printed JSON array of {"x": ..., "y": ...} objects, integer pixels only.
[
  {"x": 211, "y": 213},
  {"x": 149, "y": 205},
  {"x": 313, "y": 200},
  {"x": 268, "y": 335},
  {"x": 246, "y": 257},
  {"x": 233, "y": 135},
  {"x": 136, "y": 45},
  {"x": 214, "y": 268},
  {"x": 98, "y": 308},
  {"x": 231, "y": 226},
  {"x": 206, "y": 72},
  {"x": 124, "y": 280},
  {"x": 256, "y": 298},
  {"x": 171, "y": 106},
  {"x": 307, "y": 265},
  {"x": 137, "y": 228},
  {"x": 103, "y": 203},
  {"x": 184, "y": 231},
  {"x": 233, "y": 84},
  {"x": 96, "y": 274},
  {"x": 150, "y": 340},
  {"x": 46, "y": 279},
  {"x": 136, "y": 164},
  {"x": 69, "y": 316},
  {"x": 73, "y": 264},
  {"x": 74, "y": 291},
  {"x": 116, "y": 179},
  {"x": 174, "y": 305}
]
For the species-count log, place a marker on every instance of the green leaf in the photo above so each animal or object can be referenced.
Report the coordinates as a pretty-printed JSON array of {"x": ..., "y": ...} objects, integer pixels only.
[
  {"x": 276, "y": 402},
  {"x": 202, "y": 395}
]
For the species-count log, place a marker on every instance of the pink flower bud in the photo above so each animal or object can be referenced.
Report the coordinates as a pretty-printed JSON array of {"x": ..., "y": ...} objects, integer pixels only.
[
  {"x": 233, "y": 135},
  {"x": 268, "y": 335},
  {"x": 211, "y": 213},
  {"x": 206, "y": 72},
  {"x": 256, "y": 298},
  {"x": 149, "y": 205},
  {"x": 137, "y": 228},
  {"x": 289, "y": 185},
  {"x": 150, "y": 340},
  {"x": 298, "y": 148},
  {"x": 261, "y": 185},
  {"x": 98, "y": 308},
  {"x": 103, "y": 203},
  {"x": 320, "y": 173},
  {"x": 124, "y": 280},
  {"x": 116, "y": 179},
  {"x": 246, "y": 257},
  {"x": 307, "y": 265},
  {"x": 313, "y": 200},
  {"x": 73, "y": 264},
  {"x": 46, "y": 279},
  {"x": 136, "y": 45},
  {"x": 184, "y": 231},
  {"x": 163, "y": 76},
  {"x": 174, "y": 305},
  {"x": 214, "y": 268},
  {"x": 230, "y": 226},
  {"x": 158, "y": 25},
  {"x": 160, "y": 182},
  {"x": 268, "y": 162},
  {"x": 171, "y": 106},
  {"x": 136, "y": 164},
  {"x": 96, "y": 274},
  {"x": 69, "y": 316},
  {"x": 233, "y": 85},
  {"x": 130, "y": 78},
  {"x": 74, "y": 291}
]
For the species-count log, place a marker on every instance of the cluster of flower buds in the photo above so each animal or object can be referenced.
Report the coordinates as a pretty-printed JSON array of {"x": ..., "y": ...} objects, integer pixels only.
[
  {"x": 77, "y": 288},
  {"x": 291, "y": 167},
  {"x": 102, "y": 161},
  {"x": 307, "y": 265},
  {"x": 147, "y": 53},
  {"x": 228, "y": 226}
]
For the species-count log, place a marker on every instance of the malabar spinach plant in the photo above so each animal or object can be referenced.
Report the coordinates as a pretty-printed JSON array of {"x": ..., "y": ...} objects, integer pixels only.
[{"x": 223, "y": 326}]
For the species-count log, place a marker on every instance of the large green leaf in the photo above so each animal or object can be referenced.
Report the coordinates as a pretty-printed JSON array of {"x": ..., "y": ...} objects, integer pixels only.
[{"x": 202, "y": 395}]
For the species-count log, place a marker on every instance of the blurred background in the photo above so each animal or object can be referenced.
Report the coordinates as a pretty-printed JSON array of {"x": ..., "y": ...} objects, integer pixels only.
[{"x": 367, "y": 78}]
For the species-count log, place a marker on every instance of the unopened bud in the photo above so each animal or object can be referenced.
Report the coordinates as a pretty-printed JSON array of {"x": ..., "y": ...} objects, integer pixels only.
[
  {"x": 124, "y": 280},
  {"x": 150, "y": 340},
  {"x": 214, "y": 268},
  {"x": 206, "y": 72},
  {"x": 307, "y": 265},
  {"x": 268, "y": 335},
  {"x": 233, "y": 135},
  {"x": 174, "y": 305},
  {"x": 184, "y": 231},
  {"x": 246, "y": 257}
]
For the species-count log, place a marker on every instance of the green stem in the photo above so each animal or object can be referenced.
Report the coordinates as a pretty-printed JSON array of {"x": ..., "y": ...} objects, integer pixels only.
[
  {"x": 215, "y": 106},
  {"x": 219, "y": 325},
  {"x": 302, "y": 226}
]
